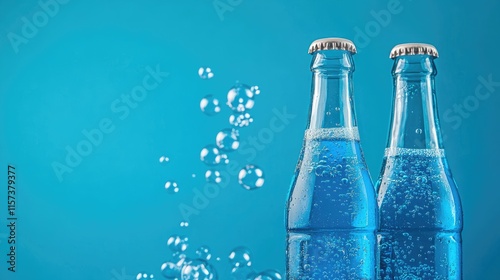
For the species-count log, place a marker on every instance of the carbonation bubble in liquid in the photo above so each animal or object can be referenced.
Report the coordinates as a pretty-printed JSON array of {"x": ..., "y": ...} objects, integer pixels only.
[
  {"x": 240, "y": 119},
  {"x": 205, "y": 73},
  {"x": 203, "y": 253},
  {"x": 227, "y": 139},
  {"x": 177, "y": 243},
  {"x": 145, "y": 276},
  {"x": 240, "y": 256},
  {"x": 213, "y": 176},
  {"x": 240, "y": 98},
  {"x": 210, "y": 105},
  {"x": 251, "y": 177},
  {"x": 198, "y": 270},
  {"x": 171, "y": 187},
  {"x": 210, "y": 155}
]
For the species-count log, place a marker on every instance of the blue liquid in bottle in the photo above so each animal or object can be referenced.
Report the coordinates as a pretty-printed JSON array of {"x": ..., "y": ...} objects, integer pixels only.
[
  {"x": 420, "y": 210},
  {"x": 331, "y": 210}
]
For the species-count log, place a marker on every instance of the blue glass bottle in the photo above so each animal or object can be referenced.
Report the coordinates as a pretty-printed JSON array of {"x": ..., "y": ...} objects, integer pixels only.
[
  {"x": 420, "y": 210},
  {"x": 331, "y": 210}
]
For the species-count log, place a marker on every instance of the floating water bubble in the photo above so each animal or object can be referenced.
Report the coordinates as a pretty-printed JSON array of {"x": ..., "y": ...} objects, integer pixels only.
[
  {"x": 227, "y": 139},
  {"x": 198, "y": 270},
  {"x": 170, "y": 270},
  {"x": 270, "y": 274},
  {"x": 177, "y": 243},
  {"x": 240, "y": 120},
  {"x": 255, "y": 90},
  {"x": 210, "y": 105},
  {"x": 418, "y": 131},
  {"x": 193, "y": 175},
  {"x": 224, "y": 158},
  {"x": 251, "y": 177},
  {"x": 163, "y": 159},
  {"x": 210, "y": 155},
  {"x": 205, "y": 73},
  {"x": 171, "y": 187},
  {"x": 144, "y": 276},
  {"x": 213, "y": 176},
  {"x": 243, "y": 272},
  {"x": 184, "y": 224},
  {"x": 204, "y": 253},
  {"x": 240, "y": 98},
  {"x": 239, "y": 257}
]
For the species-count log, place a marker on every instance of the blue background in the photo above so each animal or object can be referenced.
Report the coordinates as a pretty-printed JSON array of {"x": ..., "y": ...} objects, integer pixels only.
[{"x": 111, "y": 215}]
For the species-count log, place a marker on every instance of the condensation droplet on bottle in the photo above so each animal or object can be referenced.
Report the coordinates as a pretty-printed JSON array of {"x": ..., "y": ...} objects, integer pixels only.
[{"x": 418, "y": 131}]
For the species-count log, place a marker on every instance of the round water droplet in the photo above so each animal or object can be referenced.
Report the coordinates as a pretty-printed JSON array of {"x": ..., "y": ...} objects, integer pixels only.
[
  {"x": 144, "y": 276},
  {"x": 184, "y": 224},
  {"x": 204, "y": 253},
  {"x": 255, "y": 90},
  {"x": 239, "y": 257},
  {"x": 177, "y": 243},
  {"x": 198, "y": 270},
  {"x": 163, "y": 159},
  {"x": 227, "y": 139},
  {"x": 251, "y": 177},
  {"x": 418, "y": 131},
  {"x": 213, "y": 176},
  {"x": 205, "y": 73},
  {"x": 337, "y": 109},
  {"x": 210, "y": 155},
  {"x": 240, "y": 98},
  {"x": 210, "y": 105},
  {"x": 193, "y": 175},
  {"x": 170, "y": 270},
  {"x": 240, "y": 120},
  {"x": 171, "y": 187}
]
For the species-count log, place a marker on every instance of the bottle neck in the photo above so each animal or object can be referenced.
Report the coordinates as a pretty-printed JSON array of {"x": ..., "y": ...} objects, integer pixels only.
[
  {"x": 415, "y": 121},
  {"x": 332, "y": 103}
]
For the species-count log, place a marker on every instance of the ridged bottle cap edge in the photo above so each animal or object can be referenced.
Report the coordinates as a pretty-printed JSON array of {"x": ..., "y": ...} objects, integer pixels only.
[
  {"x": 414, "y": 49},
  {"x": 332, "y": 44}
]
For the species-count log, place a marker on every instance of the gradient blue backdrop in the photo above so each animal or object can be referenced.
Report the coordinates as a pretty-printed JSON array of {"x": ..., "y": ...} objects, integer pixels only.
[{"x": 111, "y": 215}]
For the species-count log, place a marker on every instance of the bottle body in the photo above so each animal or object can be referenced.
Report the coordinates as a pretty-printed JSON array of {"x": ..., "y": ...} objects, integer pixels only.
[
  {"x": 419, "y": 205},
  {"x": 331, "y": 213},
  {"x": 420, "y": 229},
  {"x": 331, "y": 221}
]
